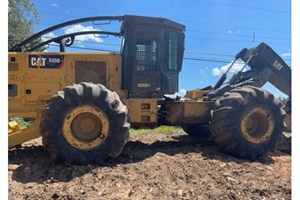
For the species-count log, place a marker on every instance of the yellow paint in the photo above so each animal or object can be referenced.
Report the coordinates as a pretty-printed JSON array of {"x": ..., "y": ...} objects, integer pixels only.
[
  {"x": 35, "y": 86},
  {"x": 144, "y": 85},
  {"x": 196, "y": 94},
  {"x": 143, "y": 111}
]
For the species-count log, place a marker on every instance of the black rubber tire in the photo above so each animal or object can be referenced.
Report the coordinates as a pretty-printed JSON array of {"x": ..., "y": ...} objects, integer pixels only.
[
  {"x": 70, "y": 97},
  {"x": 197, "y": 130},
  {"x": 227, "y": 117}
]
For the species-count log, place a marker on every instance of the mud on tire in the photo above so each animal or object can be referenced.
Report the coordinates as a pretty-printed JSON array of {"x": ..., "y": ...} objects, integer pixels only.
[
  {"x": 247, "y": 122},
  {"x": 97, "y": 98}
]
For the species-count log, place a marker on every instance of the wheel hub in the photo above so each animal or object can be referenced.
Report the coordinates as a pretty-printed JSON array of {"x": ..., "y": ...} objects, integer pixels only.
[
  {"x": 257, "y": 125},
  {"x": 86, "y": 127}
]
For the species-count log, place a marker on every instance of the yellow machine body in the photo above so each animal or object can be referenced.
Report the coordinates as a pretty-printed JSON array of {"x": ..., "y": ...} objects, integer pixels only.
[{"x": 31, "y": 84}]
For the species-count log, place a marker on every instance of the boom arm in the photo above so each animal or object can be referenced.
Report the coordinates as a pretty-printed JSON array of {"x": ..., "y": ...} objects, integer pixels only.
[{"x": 266, "y": 66}]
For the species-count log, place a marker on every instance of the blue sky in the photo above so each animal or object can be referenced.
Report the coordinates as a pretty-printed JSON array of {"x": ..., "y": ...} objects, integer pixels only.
[{"x": 215, "y": 29}]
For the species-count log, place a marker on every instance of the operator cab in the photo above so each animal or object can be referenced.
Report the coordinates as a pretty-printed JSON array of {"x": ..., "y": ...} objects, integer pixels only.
[{"x": 152, "y": 53}]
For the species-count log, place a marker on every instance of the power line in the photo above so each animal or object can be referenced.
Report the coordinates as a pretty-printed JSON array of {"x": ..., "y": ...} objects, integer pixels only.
[
  {"x": 206, "y": 53},
  {"x": 106, "y": 50},
  {"x": 88, "y": 48},
  {"x": 91, "y": 42},
  {"x": 226, "y": 34},
  {"x": 201, "y": 1},
  {"x": 248, "y": 7},
  {"x": 80, "y": 7},
  {"x": 207, "y": 60},
  {"x": 230, "y": 25},
  {"x": 237, "y": 34},
  {"x": 187, "y": 20},
  {"x": 186, "y": 52},
  {"x": 230, "y": 40},
  {"x": 247, "y": 41},
  {"x": 186, "y": 58}
]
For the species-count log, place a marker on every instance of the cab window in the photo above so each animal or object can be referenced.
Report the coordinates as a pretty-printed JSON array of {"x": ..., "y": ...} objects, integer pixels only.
[
  {"x": 173, "y": 51},
  {"x": 146, "y": 51}
]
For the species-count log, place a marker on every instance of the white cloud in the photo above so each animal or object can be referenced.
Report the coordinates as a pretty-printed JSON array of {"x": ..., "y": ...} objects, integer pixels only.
[
  {"x": 80, "y": 45},
  {"x": 231, "y": 32},
  {"x": 217, "y": 71},
  {"x": 83, "y": 38},
  {"x": 202, "y": 72},
  {"x": 54, "y": 5},
  {"x": 180, "y": 93},
  {"x": 48, "y": 36},
  {"x": 286, "y": 55}
]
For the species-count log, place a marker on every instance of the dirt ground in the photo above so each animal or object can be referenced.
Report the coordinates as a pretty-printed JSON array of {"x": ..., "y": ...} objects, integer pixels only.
[{"x": 152, "y": 166}]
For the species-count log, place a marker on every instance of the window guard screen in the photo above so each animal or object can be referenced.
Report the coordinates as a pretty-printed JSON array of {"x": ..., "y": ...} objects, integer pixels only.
[{"x": 146, "y": 51}]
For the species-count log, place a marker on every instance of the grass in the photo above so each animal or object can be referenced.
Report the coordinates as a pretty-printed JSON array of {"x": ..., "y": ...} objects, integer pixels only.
[{"x": 160, "y": 129}]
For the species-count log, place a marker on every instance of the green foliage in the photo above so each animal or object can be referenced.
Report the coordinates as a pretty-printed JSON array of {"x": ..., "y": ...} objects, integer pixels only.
[
  {"x": 24, "y": 123},
  {"x": 160, "y": 129},
  {"x": 283, "y": 100},
  {"x": 22, "y": 15}
]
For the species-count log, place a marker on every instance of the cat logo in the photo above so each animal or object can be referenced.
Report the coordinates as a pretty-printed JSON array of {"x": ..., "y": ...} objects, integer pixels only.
[
  {"x": 277, "y": 65},
  {"x": 38, "y": 62},
  {"x": 46, "y": 61}
]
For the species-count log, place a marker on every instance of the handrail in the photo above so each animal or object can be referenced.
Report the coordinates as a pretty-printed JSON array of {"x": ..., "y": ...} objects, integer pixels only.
[
  {"x": 72, "y": 36},
  {"x": 18, "y": 47}
]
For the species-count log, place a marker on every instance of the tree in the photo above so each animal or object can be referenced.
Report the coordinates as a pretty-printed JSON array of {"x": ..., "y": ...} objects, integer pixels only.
[{"x": 22, "y": 15}]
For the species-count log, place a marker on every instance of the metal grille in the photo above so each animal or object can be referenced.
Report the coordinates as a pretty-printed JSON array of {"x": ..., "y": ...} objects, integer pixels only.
[{"x": 90, "y": 71}]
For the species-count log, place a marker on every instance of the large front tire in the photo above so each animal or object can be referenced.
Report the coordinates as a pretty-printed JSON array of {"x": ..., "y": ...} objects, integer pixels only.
[
  {"x": 85, "y": 124},
  {"x": 247, "y": 122}
]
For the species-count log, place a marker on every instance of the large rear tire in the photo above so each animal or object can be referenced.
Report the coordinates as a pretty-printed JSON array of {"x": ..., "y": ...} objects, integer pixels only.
[
  {"x": 84, "y": 124},
  {"x": 247, "y": 122}
]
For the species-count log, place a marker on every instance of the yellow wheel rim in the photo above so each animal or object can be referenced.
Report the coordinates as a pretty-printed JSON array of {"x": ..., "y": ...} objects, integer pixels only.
[
  {"x": 257, "y": 125},
  {"x": 86, "y": 127}
]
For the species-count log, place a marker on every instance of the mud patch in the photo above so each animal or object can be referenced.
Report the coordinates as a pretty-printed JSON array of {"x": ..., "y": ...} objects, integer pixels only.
[{"x": 152, "y": 166}]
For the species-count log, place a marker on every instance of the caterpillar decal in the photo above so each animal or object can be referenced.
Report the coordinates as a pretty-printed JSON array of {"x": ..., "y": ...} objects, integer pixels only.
[{"x": 46, "y": 61}]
